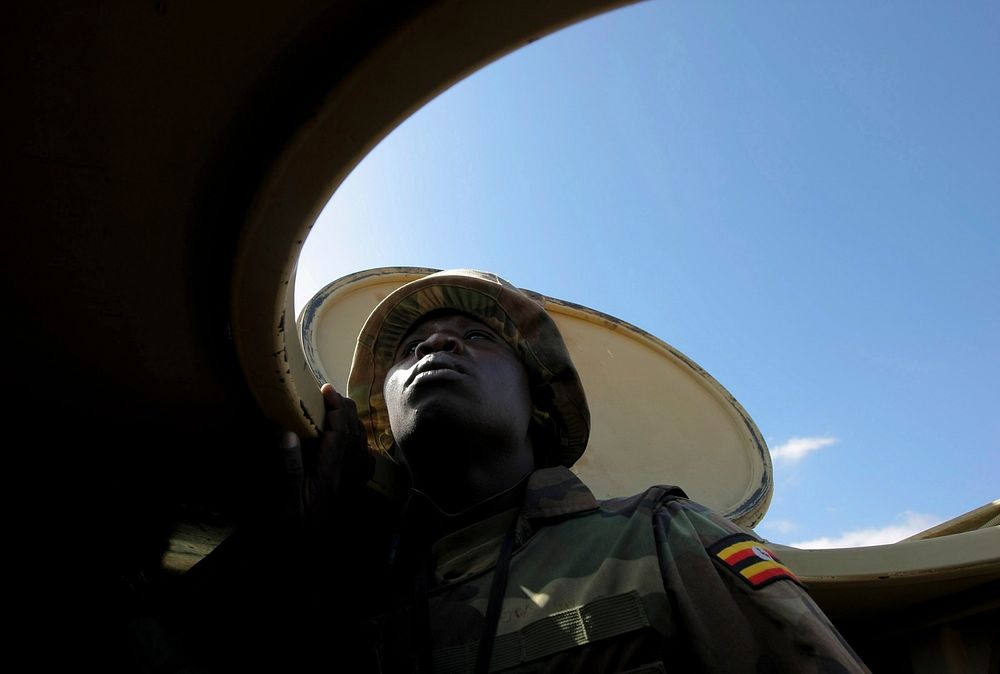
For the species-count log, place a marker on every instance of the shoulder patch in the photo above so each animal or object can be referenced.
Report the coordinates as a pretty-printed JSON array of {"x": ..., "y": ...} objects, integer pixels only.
[{"x": 751, "y": 560}]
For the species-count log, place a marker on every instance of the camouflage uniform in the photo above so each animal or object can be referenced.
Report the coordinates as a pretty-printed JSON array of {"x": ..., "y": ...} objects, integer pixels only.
[
  {"x": 648, "y": 583},
  {"x": 640, "y": 584}
]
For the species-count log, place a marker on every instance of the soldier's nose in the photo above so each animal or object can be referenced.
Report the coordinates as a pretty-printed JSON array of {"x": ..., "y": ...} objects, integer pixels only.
[{"x": 438, "y": 341}]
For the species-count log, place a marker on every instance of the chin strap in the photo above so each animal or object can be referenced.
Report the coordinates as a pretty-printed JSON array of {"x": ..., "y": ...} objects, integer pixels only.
[
  {"x": 497, "y": 589},
  {"x": 478, "y": 504},
  {"x": 484, "y": 654},
  {"x": 421, "y": 612}
]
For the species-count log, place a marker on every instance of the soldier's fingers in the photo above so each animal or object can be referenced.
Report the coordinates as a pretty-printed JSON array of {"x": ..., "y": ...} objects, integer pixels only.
[
  {"x": 331, "y": 454},
  {"x": 291, "y": 454},
  {"x": 343, "y": 417},
  {"x": 331, "y": 398}
]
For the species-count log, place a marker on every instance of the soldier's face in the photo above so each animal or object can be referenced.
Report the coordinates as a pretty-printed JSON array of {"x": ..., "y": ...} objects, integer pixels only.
[{"x": 453, "y": 373}]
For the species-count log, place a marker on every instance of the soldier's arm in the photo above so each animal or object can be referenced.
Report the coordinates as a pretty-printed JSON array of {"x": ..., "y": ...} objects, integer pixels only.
[{"x": 736, "y": 605}]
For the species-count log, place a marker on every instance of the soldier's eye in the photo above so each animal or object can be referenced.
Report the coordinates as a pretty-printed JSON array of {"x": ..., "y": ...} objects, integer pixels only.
[
  {"x": 408, "y": 348},
  {"x": 478, "y": 334}
]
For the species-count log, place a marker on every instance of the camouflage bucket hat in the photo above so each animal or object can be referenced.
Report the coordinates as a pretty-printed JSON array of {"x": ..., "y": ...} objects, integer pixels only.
[{"x": 517, "y": 316}]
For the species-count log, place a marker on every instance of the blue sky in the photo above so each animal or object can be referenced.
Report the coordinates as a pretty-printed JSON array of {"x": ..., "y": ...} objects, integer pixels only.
[{"x": 804, "y": 198}]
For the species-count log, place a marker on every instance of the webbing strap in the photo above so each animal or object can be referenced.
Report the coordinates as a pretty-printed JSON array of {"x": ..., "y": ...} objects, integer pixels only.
[{"x": 599, "y": 619}]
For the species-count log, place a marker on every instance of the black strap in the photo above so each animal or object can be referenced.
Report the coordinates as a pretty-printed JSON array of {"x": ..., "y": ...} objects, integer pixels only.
[
  {"x": 497, "y": 588},
  {"x": 421, "y": 615}
]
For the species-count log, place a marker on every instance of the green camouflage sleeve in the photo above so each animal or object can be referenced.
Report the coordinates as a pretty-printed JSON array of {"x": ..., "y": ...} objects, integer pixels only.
[{"x": 734, "y": 602}]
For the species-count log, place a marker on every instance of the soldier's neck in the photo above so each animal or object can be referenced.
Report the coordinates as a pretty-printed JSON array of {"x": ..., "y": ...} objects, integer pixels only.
[
  {"x": 445, "y": 511},
  {"x": 457, "y": 474}
]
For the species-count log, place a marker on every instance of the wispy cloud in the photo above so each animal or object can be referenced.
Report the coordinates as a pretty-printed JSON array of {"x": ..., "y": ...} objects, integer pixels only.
[
  {"x": 794, "y": 449},
  {"x": 890, "y": 533},
  {"x": 778, "y": 526}
]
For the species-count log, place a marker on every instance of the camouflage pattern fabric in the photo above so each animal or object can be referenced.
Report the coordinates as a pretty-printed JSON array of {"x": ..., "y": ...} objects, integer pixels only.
[
  {"x": 517, "y": 316},
  {"x": 636, "y": 584}
]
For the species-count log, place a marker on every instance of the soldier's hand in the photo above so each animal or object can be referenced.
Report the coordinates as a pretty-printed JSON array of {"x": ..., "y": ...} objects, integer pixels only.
[{"x": 321, "y": 470}]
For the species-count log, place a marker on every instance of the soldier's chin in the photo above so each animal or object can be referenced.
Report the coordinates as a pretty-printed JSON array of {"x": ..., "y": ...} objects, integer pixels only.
[{"x": 431, "y": 444}]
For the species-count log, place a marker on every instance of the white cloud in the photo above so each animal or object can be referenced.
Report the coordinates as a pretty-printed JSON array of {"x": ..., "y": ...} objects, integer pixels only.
[
  {"x": 792, "y": 450},
  {"x": 891, "y": 533},
  {"x": 778, "y": 526}
]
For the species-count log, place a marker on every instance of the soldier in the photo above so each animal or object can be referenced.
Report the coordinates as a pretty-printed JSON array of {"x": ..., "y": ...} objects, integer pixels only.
[{"x": 501, "y": 559}]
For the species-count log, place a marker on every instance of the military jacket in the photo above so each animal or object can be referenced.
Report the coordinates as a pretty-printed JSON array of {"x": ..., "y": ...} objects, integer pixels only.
[{"x": 648, "y": 583}]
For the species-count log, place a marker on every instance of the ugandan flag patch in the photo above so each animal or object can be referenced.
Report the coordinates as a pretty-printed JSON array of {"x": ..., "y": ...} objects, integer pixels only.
[{"x": 751, "y": 560}]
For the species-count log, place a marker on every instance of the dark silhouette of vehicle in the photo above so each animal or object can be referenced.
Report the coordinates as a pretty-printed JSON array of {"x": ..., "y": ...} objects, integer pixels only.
[{"x": 164, "y": 162}]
